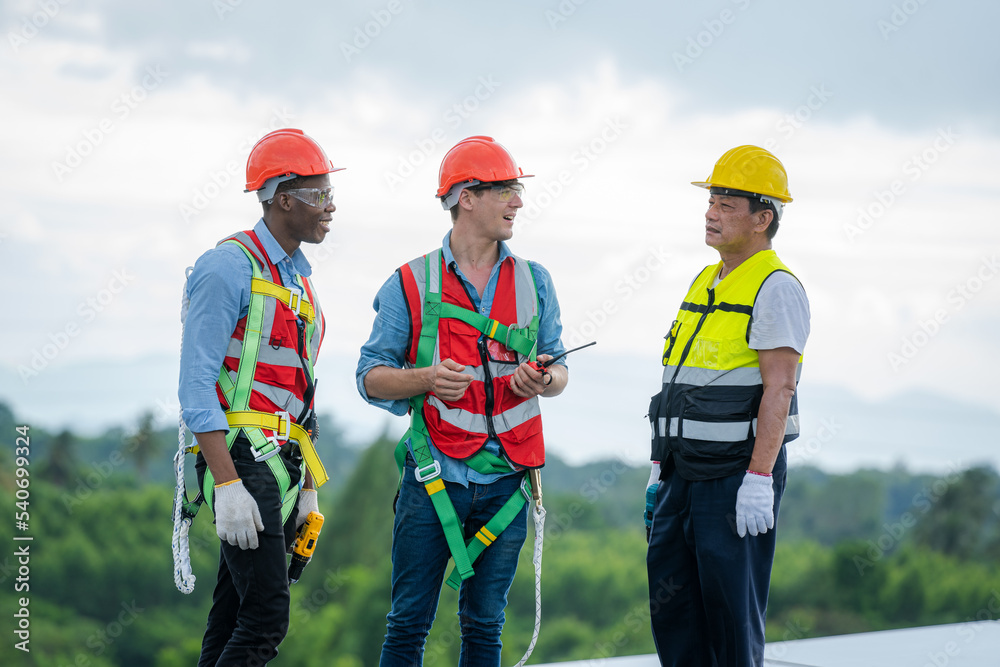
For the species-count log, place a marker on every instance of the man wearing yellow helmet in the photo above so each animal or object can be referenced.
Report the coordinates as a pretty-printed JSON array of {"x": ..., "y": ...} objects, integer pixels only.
[{"x": 728, "y": 404}]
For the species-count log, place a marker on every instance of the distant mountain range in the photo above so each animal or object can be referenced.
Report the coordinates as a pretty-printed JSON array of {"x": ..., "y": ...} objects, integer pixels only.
[{"x": 600, "y": 416}]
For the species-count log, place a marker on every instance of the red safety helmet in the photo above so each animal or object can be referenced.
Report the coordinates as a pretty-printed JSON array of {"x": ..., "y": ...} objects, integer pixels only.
[
  {"x": 285, "y": 153},
  {"x": 476, "y": 159}
]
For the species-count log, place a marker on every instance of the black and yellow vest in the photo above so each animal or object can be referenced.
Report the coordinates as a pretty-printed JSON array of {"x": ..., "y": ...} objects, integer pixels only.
[{"x": 705, "y": 415}]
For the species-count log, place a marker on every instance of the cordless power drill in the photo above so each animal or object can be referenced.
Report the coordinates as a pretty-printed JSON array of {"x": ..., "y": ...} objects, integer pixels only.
[{"x": 304, "y": 545}]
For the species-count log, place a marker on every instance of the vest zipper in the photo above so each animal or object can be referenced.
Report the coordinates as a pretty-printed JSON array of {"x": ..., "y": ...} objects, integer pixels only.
[
  {"x": 690, "y": 341},
  {"x": 484, "y": 357}
]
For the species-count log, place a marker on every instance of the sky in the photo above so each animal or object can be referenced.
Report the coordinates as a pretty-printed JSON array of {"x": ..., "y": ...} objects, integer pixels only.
[{"x": 127, "y": 127}]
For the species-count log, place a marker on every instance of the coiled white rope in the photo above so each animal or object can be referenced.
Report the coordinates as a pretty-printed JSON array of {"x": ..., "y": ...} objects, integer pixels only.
[
  {"x": 183, "y": 576},
  {"x": 538, "y": 514}
]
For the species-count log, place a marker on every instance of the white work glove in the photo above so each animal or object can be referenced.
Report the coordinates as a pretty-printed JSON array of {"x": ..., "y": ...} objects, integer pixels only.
[
  {"x": 754, "y": 505},
  {"x": 308, "y": 502},
  {"x": 237, "y": 518}
]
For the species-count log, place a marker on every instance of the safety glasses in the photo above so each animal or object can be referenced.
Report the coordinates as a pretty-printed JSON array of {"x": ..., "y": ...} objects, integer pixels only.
[
  {"x": 312, "y": 196},
  {"x": 506, "y": 191}
]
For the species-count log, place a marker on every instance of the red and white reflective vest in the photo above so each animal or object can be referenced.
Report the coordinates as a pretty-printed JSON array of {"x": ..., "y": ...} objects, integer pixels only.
[
  {"x": 287, "y": 351},
  {"x": 489, "y": 407}
]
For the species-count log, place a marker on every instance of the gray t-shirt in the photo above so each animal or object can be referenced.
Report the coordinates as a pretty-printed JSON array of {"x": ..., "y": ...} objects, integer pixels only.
[{"x": 780, "y": 314}]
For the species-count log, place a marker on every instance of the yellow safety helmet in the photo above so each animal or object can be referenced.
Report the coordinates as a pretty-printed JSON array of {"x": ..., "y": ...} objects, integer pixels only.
[{"x": 748, "y": 171}]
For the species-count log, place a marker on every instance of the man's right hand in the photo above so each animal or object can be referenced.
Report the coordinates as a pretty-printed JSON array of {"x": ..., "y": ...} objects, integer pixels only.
[
  {"x": 447, "y": 380},
  {"x": 237, "y": 518}
]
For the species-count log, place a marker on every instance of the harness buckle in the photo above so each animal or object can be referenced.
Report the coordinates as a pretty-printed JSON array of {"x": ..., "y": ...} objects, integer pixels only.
[
  {"x": 259, "y": 457},
  {"x": 435, "y": 469},
  {"x": 295, "y": 297},
  {"x": 283, "y": 416},
  {"x": 510, "y": 330},
  {"x": 524, "y": 489}
]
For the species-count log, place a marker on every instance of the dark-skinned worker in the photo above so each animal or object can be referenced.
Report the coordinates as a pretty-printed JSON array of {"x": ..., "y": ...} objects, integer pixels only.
[
  {"x": 252, "y": 333},
  {"x": 731, "y": 365},
  {"x": 454, "y": 336}
]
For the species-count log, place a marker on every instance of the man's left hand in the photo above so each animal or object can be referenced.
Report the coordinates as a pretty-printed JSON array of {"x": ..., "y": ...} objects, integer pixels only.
[
  {"x": 528, "y": 382},
  {"x": 754, "y": 505},
  {"x": 308, "y": 502}
]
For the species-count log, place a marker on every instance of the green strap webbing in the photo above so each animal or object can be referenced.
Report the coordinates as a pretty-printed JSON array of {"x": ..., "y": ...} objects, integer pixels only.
[
  {"x": 238, "y": 396},
  {"x": 509, "y": 336},
  {"x": 488, "y": 533},
  {"x": 428, "y": 470}
]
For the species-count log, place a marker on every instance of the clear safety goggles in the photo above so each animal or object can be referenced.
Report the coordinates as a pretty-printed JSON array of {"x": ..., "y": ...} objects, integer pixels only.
[
  {"x": 312, "y": 196},
  {"x": 506, "y": 192}
]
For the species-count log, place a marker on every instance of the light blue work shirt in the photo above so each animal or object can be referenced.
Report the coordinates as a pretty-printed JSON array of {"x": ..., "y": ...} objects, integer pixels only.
[
  {"x": 390, "y": 338},
  {"x": 219, "y": 292}
]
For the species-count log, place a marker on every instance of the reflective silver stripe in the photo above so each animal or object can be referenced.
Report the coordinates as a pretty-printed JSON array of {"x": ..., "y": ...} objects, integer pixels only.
[
  {"x": 714, "y": 431},
  {"x": 281, "y": 397},
  {"x": 525, "y": 293},
  {"x": 735, "y": 377},
  {"x": 435, "y": 277},
  {"x": 463, "y": 419},
  {"x": 791, "y": 425},
  {"x": 283, "y": 356},
  {"x": 516, "y": 416}
]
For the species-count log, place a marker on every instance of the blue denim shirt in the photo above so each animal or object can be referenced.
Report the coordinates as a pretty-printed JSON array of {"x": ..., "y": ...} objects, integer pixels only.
[
  {"x": 219, "y": 293},
  {"x": 391, "y": 335}
]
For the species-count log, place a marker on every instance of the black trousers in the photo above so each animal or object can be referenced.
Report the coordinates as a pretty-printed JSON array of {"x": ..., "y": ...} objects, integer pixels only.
[
  {"x": 708, "y": 586},
  {"x": 250, "y": 605}
]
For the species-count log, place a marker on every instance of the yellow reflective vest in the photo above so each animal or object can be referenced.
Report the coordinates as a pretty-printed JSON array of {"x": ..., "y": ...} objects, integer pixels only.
[{"x": 705, "y": 415}]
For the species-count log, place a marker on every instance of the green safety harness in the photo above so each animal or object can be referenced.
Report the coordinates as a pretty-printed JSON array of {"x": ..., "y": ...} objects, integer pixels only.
[
  {"x": 428, "y": 471},
  {"x": 251, "y": 422}
]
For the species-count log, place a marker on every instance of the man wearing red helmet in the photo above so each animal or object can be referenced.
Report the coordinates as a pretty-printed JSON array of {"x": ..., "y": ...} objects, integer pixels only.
[
  {"x": 456, "y": 336},
  {"x": 728, "y": 405},
  {"x": 252, "y": 332}
]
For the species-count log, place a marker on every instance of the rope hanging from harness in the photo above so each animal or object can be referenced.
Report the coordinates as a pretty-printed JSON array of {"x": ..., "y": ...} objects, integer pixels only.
[{"x": 184, "y": 511}]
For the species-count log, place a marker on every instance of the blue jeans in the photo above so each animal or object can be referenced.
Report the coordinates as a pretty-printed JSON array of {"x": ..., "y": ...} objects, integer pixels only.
[
  {"x": 419, "y": 558},
  {"x": 708, "y": 586}
]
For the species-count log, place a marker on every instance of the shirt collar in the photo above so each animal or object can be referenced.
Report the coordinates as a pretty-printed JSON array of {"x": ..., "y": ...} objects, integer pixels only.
[
  {"x": 449, "y": 257},
  {"x": 276, "y": 253}
]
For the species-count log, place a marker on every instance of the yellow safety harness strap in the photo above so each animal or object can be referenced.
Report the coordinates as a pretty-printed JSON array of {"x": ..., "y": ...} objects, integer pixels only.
[
  {"x": 284, "y": 429},
  {"x": 293, "y": 300}
]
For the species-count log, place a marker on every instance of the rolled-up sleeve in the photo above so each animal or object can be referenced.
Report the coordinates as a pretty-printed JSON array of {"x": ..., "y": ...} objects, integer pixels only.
[
  {"x": 388, "y": 341},
  {"x": 549, "y": 321}
]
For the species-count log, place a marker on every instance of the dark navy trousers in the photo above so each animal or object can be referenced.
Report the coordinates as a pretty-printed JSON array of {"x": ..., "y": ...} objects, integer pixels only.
[
  {"x": 251, "y": 602},
  {"x": 708, "y": 586}
]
